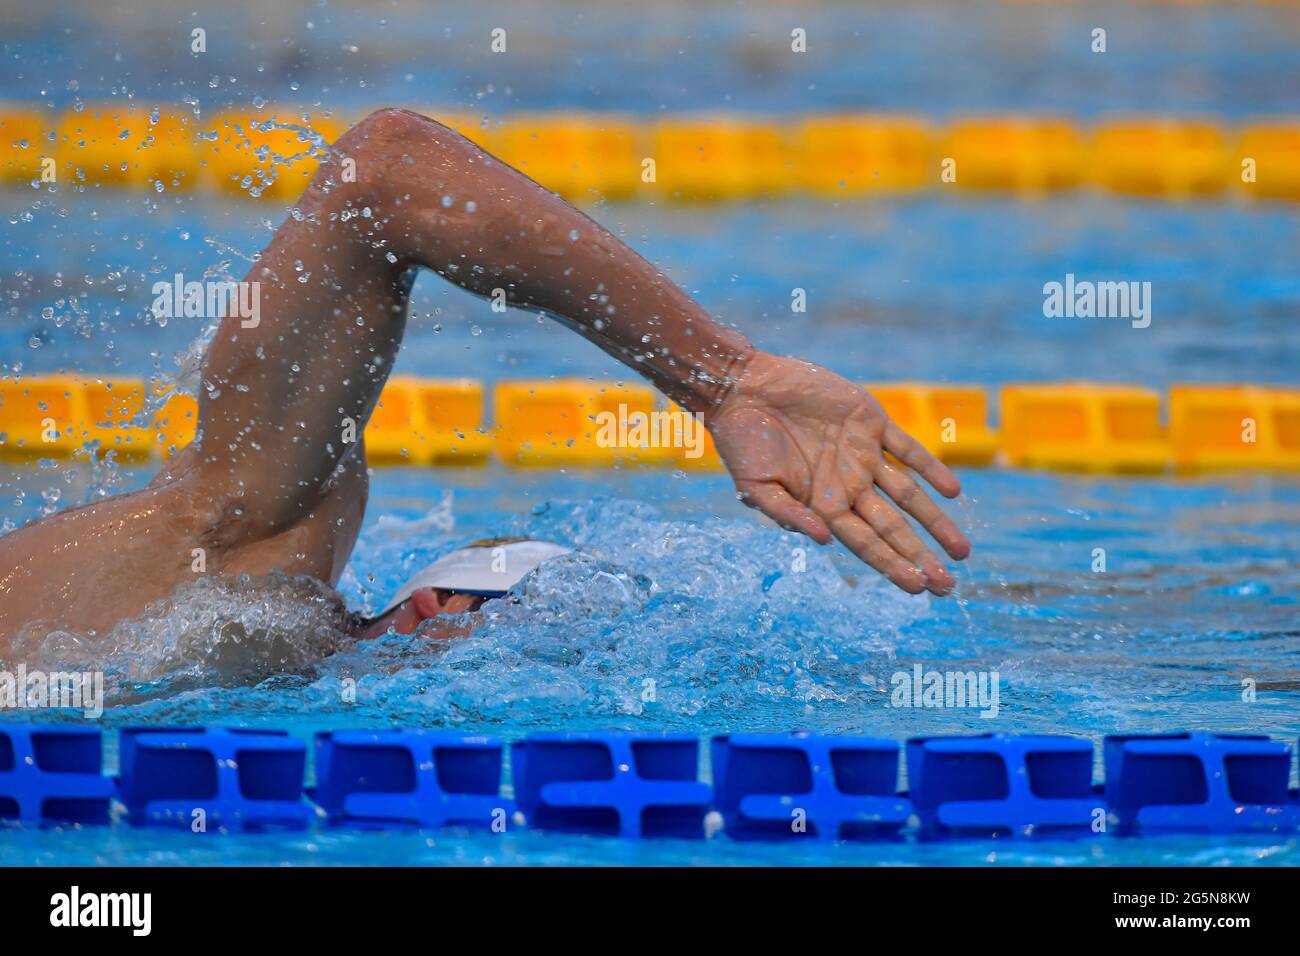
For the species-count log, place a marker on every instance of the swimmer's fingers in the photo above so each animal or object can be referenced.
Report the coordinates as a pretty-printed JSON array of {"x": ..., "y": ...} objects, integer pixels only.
[
  {"x": 856, "y": 535},
  {"x": 779, "y": 505},
  {"x": 898, "y": 534},
  {"x": 915, "y": 456},
  {"x": 909, "y": 496}
]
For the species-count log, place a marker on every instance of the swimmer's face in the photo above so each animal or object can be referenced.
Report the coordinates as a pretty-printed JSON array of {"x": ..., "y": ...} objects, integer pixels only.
[
  {"x": 430, "y": 602},
  {"x": 424, "y": 604}
]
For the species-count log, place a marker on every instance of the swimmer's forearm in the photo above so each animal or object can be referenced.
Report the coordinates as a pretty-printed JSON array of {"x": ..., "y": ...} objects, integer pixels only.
[
  {"x": 667, "y": 336},
  {"x": 497, "y": 233}
]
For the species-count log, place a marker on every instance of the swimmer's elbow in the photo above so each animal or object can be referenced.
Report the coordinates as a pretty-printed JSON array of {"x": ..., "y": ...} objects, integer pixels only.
[{"x": 392, "y": 132}]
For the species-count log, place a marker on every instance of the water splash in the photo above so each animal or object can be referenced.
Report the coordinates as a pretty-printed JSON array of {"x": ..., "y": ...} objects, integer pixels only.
[
  {"x": 652, "y": 616},
  {"x": 677, "y": 621},
  {"x": 214, "y": 631}
]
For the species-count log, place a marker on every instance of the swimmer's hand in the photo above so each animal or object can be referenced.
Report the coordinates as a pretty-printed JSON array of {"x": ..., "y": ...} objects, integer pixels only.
[{"x": 806, "y": 447}]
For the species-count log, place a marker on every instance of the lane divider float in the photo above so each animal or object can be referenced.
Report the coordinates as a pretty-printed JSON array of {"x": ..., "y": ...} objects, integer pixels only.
[
  {"x": 1083, "y": 427},
  {"x": 632, "y": 784},
  {"x": 270, "y": 153}
]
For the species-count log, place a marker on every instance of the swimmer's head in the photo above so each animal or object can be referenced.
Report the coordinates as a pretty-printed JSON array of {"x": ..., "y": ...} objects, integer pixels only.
[{"x": 461, "y": 581}]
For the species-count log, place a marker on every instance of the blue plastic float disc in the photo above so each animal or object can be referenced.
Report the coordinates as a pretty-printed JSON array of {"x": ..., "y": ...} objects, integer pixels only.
[
  {"x": 206, "y": 778},
  {"x": 410, "y": 777},
  {"x": 52, "y": 775},
  {"x": 612, "y": 783},
  {"x": 796, "y": 785}
]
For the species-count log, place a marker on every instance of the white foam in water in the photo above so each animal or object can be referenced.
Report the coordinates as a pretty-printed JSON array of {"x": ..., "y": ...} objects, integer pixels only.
[
  {"x": 215, "y": 630},
  {"x": 656, "y": 617},
  {"x": 652, "y": 616}
]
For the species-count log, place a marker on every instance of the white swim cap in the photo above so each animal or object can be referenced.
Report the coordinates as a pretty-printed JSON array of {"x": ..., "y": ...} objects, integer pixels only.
[{"x": 487, "y": 568}]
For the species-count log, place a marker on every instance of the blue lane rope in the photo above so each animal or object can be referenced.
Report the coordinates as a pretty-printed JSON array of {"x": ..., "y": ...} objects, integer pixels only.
[
  {"x": 773, "y": 786},
  {"x": 230, "y": 779},
  {"x": 620, "y": 784},
  {"x": 409, "y": 777},
  {"x": 996, "y": 782},
  {"x": 52, "y": 775},
  {"x": 765, "y": 786}
]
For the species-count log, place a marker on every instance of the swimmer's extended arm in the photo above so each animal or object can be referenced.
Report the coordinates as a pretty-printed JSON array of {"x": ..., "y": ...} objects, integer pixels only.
[
  {"x": 805, "y": 446},
  {"x": 278, "y": 480},
  {"x": 488, "y": 228}
]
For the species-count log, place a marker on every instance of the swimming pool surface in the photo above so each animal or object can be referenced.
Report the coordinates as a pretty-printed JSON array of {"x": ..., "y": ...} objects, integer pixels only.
[
  {"x": 679, "y": 585},
  {"x": 1200, "y": 592}
]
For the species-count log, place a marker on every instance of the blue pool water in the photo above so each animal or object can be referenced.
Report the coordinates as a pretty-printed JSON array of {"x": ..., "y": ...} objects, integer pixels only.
[
  {"x": 1201, "y": 583},
  {"x": 1202, "y": 576},
  {"x": 934, "y": 288},
  {"x": 1200, "y": 592},
  {"x": 937, "y": 59}
]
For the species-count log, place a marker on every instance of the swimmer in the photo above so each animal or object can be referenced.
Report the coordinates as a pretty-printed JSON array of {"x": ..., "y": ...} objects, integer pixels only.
[
  {"x": 270, "y": 486},
  {"x": 461, "y": 581}
]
